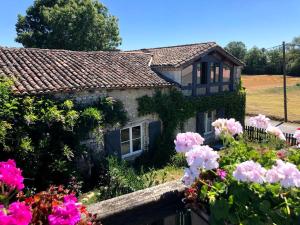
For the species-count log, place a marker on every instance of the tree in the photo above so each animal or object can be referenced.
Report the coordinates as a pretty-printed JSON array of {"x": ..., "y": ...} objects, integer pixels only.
[
  {"x": 68, "y": 24},
  {"x": 293, "y": 56},
  {"x": 237, "y": 48},
  {"x": 256, "y": 61}
]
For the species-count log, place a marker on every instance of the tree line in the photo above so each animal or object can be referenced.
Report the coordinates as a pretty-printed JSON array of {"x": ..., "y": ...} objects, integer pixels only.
[{"x": 267, "y": 61}]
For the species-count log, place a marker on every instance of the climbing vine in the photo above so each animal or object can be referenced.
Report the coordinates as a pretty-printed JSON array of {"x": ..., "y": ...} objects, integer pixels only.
[
  {"x": 173, "y": 108},
  {"x": 47, "y": 136}
]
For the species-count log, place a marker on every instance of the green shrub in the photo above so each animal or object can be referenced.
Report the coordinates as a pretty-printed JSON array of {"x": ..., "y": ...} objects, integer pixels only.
[
  {"x": 178, "y": 160},
  {"x": 122, "y": 179},
  {"x": 45, "y": 135}
]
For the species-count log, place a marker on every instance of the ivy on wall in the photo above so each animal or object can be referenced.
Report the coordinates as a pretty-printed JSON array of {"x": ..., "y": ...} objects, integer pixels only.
[
  {"x": 174, "y": 109},
  {"x": 46, "y": 136}
]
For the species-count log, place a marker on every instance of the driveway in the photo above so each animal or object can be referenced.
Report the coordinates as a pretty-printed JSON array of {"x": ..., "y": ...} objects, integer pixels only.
[{"x": 285, "y": 127}]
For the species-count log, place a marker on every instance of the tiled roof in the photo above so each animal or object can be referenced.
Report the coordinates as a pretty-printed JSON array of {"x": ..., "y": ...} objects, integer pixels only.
[
  {"x": 44, "y": 70},
  {"x": 179, "y": 55}
]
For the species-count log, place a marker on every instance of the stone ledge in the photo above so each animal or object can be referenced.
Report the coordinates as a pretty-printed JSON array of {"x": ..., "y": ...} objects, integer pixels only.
[{"x": 145, "y": 205}]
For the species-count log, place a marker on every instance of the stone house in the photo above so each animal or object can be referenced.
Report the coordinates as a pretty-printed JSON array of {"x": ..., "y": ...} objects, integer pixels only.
[{"x": 195, "y": 69}]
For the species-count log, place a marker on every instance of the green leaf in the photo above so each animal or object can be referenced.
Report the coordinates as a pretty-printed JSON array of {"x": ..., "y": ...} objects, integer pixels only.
[{"x": 220, "y": 209}]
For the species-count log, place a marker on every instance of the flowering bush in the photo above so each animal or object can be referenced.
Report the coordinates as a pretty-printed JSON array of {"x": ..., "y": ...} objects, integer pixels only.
[
  {"x": 227, "y": 127},
  {"x": 260, "y": 121},
  {"x": 276, "y": 132},
  {"x": 185, "y": 141},
  {"x": 243, "y": 185},
  {"x": 57, "y": 206},
  {"x": 297, "y": 136}
]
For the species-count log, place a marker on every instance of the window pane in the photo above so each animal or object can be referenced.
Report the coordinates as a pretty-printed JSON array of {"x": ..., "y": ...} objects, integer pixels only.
[
  {"x": 212, "y": 73},
  {"x": 125, "y": 148},
  {"x": 217, "y": 73},
  {"x": 226, "y": 73},
  {"x": 187, "y": 76},
  {"x": 125, "y": 135},
  {"x": 202, "y": 79},
  {"x": 136, "y": 132},
  {"x": 136, "y": 145}
]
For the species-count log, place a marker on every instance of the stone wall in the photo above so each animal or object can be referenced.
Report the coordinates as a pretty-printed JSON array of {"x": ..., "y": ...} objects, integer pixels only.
[{"x": 128, "y": 97}]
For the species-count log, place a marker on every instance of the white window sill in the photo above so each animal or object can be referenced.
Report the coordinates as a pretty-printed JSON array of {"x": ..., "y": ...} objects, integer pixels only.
[{"x": 132, "y": 154}]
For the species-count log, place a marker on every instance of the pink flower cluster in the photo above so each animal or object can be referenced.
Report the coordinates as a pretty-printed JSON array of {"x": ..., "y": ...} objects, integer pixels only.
[
  {"x": 66, "y": 214},
  {"x": 260, "y": 121},
  {"x": 202, "y": 157},
  {"x": 284, "y": 172},
  {"x": 185, "y": 141},
  {"x": 10, "y": 175},
  {"x": 250, "y": 171},
  {"x": 16, "y": 214},
  {"x": 297, "y": 136},
  {"x": 276, "y": 132},
  {"x": 227, "y": 127},
  {"x": 190, "y": 176}
]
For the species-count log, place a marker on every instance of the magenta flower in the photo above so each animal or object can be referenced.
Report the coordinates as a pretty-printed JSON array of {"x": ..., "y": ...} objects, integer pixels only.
[
  {"x": 10, "y": 175},
  {"x": 250, "y": 171},
  {"x": 66, "y": 214},
  {"x": 260, "y": 121},
  {"x": 185, "y": 141},
  {"x": 17, "y": 214},
  {"x": 222, "y": 174}
]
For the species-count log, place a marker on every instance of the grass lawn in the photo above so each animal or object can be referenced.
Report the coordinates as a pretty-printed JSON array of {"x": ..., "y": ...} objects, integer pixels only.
[
  {"x": 265, "y": 95},
  {"x": 168, "y": 173}
]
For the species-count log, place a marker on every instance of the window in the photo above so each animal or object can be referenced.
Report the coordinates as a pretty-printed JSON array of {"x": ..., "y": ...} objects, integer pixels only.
[
  {"x": 131, "y": 140},
  {"x": 201, "y": 73},
  {"x": 214, "y": 72},
  {"x": 209, "y": 117},
  {"x": 226, "y": 73},
  {"x": 187, "y": 76}
]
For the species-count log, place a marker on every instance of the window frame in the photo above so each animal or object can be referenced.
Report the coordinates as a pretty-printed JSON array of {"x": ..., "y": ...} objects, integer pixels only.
[
  {"x": 131, "y": 139},
  {"x": 206, "y": 125}
]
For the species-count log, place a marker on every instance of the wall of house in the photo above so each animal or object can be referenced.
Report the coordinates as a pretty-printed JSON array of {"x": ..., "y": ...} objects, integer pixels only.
[
  {"x": 128, "y": 97},
  {"x": 171, "y": 73}
]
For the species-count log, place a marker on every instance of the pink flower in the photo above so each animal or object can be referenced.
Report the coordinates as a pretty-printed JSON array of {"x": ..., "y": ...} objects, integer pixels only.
[
  {"x": 250, "y": 171},
  {"x": 227, "y": 127},
  {"x": 17, "y": 214},
  {"x": 202, "y": 157},
  {"x": 185, "y": 141},
  {"x": 11, "y": 175},
  {"x": 67, "y": 213},
  {"x": 189, "y": 176},
  {"x": 234, "y": 127},
  {"x": 284, "y": 172},
  {"x": 297, "y": 136},
  {"x": 260, "y": 121},
  {"x": 276, "y": 132},
  {"x": 222, "y": 174}
]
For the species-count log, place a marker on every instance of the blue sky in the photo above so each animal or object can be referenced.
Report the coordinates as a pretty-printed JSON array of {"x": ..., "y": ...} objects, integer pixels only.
[{"x": 153, "y": 23}]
